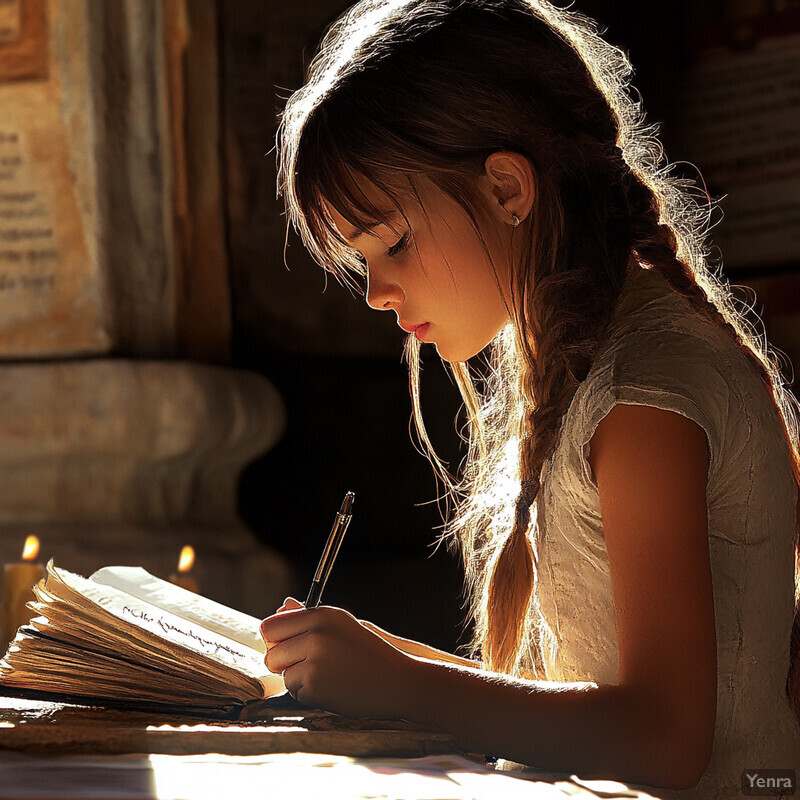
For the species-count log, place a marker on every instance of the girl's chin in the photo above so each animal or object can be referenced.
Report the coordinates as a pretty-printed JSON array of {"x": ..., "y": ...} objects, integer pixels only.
[
  {"x": 455, "y": 354},
  {"x": 466, "y": 347}
]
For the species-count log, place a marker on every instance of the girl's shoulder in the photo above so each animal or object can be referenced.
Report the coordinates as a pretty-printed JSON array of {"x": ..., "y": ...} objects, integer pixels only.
[
  {"x": 660, "y": 352},
  {"x": 647, "y": 303},
  {"x": 657, "y": 336}
]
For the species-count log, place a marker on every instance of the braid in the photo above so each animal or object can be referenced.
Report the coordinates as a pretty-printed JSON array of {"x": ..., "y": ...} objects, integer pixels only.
[
  {"x": 565, "y": 311},
  {"x": 568, "y": 353},
  {"x": 657, "y": 245},
  {"x": 511, "y": 586}
]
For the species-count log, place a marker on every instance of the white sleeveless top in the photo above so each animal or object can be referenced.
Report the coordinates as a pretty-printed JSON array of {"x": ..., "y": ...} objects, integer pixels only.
[{"x": 662, "y": 354}]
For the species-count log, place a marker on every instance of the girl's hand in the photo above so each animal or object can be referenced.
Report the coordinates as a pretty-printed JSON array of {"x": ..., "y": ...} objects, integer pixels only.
[
  {"x": 409, "y": 646},
  {"x": 329, "y": 660}
]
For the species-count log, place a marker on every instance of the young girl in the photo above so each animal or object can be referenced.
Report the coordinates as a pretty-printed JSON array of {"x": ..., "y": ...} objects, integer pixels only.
[{"x": 627, "y": 511}]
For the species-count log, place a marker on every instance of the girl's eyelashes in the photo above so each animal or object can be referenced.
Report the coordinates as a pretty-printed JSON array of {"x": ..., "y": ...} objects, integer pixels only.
[
  {"x": 394, "y": 250},
  {"x": 398, "y": 248}
]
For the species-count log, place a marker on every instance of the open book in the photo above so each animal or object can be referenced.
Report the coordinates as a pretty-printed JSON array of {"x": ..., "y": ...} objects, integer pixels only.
[{"x": 128, "y": 638}]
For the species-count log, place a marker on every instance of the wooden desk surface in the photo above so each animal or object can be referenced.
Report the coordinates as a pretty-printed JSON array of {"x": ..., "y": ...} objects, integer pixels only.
[
  {"x": 54, "y": 727},
  {"x": 56, "y": 751}
]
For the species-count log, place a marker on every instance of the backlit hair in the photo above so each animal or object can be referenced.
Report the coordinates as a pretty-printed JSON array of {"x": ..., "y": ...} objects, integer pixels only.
[{"x": 403, "y": 91}]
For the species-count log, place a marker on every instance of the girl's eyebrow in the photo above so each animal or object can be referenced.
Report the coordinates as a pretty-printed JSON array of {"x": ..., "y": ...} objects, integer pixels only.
[{"x": 356, "y": 234}]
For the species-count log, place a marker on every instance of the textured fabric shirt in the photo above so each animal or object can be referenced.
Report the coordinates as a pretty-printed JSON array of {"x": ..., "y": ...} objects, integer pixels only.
[{"x": 661, "y": 353}]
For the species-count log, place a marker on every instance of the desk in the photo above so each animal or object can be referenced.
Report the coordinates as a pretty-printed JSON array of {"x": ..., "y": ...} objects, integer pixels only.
[{"x": 54, "y": 751}]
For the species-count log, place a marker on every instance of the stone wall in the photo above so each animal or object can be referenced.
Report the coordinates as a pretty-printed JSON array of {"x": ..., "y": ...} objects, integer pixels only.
[
  {"x": 55, "y": 297},
  {"x": 119, "y": 442}
]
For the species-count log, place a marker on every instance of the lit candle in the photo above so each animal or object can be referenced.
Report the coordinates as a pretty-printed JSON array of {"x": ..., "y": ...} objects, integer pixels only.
[
  {"x": 18, "y": 582},
  {"x": 183, "y": 576}
]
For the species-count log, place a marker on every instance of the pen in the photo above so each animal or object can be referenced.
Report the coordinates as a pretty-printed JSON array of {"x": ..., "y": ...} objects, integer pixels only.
[{"x": 331, "y": 551}]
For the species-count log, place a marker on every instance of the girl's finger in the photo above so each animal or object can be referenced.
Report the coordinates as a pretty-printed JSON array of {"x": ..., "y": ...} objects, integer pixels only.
[
  {"x": 290, "y": 604},
  {"x": 284, "y": 625},
  {"x": 287, "y": 653},
  {"x": 293, "y": 680}
]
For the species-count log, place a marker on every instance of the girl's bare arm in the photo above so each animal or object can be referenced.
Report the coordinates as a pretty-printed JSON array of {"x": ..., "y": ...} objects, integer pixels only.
[{"x": 655, "y": 726}]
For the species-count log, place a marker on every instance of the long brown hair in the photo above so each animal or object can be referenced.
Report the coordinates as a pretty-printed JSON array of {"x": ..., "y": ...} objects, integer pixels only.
[{"x": 409, "y": 90}]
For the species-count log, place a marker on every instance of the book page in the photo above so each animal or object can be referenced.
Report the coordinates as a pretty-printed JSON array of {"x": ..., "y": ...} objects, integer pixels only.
[
  {"x": 212, "y": 616},
  {"x": 94, "y": 640},
  {"x": 163, "y": 624},
  {"x": 178, "y": 634},
  {"x": 76, "y": 652}
]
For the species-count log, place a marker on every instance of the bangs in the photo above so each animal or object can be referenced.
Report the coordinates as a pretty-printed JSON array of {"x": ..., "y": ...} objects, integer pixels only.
[{"x": 325, "y": 174}]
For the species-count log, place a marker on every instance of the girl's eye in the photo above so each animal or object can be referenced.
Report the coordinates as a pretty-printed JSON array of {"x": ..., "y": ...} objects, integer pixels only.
[{"x": 398, "y": 248}]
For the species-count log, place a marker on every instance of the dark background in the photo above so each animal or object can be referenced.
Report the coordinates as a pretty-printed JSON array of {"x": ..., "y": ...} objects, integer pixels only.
[{"x": 336, "y": 363}]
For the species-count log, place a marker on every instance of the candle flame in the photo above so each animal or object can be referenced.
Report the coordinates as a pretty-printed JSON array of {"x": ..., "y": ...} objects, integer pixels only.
[
  {"x": 186, "y": 560},
  {"x": 31, "y": 549}
]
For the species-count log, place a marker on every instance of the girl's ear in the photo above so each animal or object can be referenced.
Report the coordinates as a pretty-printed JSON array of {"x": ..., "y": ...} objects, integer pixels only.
[{"x": 509, "y": 185}]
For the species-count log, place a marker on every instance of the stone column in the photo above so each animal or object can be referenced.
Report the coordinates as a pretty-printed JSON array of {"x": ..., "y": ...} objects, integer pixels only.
[
  {"x": 119, "y": 440},
  {"x": 120, "y": 461}
]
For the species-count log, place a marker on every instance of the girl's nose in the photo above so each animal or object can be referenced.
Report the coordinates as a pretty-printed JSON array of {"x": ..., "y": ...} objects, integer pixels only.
[{"x": 383, "y": 295}]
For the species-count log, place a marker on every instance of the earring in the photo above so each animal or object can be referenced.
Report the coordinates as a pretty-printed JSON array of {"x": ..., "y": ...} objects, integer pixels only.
[{"x": 515, "y": 220}]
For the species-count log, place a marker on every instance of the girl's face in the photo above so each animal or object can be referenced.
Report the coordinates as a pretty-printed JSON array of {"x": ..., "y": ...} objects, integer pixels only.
[{"x": 434, "y": 273}]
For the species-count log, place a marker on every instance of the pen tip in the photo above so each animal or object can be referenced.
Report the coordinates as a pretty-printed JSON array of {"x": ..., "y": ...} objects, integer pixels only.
[{"x": 347, "y": 503}]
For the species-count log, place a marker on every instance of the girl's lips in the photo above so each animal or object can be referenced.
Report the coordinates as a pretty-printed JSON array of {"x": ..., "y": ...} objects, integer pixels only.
[
  {"x": 418, "y": 330},
  {"x": 408, "y": 327}
]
